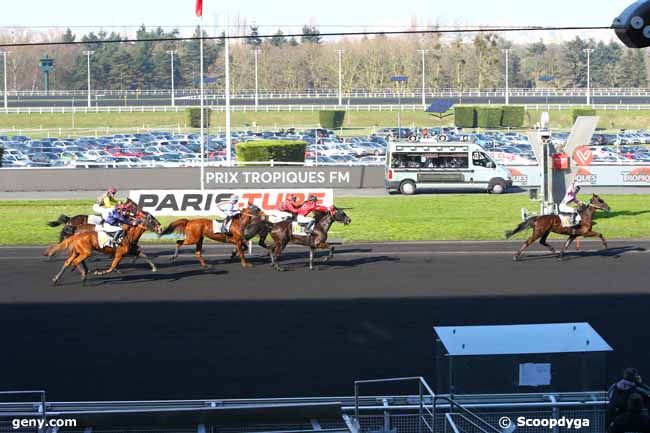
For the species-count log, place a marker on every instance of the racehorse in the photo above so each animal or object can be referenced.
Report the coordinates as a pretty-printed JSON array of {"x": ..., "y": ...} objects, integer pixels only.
[
  {"x": 72, "y": 223},
  {"x": 543, "y": 225},
  {"x": 317, "y": 240},
  {"x": 82, "y": 244},
  {"x": 243, "y": 227}
]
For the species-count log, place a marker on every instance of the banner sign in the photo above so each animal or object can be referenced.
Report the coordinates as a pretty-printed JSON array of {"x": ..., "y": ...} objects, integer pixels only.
[
  {"x": 592, "y": 175},
  {"x": 204, "y": 203},
  {"x": 282, "y": 177}
]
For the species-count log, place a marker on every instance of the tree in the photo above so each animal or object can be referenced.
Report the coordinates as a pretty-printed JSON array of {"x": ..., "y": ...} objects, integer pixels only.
[
  {"x": 254, "y": 38},
  {"x": 68, "y": 36},
  {"x": 573, "y": 72},
  {"x": 310, "y": 34},
  {"x": 278, "y": 39}
]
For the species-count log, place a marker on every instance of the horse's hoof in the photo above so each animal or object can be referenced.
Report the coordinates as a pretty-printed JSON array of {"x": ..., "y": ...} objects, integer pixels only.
[
  {"x": 154, "y": 270},
  {"x": 172, "y": 258},
  {"x": 54, "y": 281},
  {"x": 515, "y": 258}
]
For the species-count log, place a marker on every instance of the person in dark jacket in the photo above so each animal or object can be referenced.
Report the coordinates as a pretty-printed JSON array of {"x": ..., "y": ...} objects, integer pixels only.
[
  {"x": 635, "y": 419},
  {"x": 620, "y": 392}
]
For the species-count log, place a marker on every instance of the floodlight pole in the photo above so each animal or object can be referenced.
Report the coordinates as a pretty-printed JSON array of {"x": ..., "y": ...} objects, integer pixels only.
[
  {"x": 507, "y": 52},
  {"x": 171, "y": 53},
  {"x": 588, "y": 51},
  {"x": 423, "y": 52},
  {"x": 256, "y": 52},
  {"x": 340, "y": 52},
  {"x": 4, "y": 56},
  {"x": 88, "y": 54}
]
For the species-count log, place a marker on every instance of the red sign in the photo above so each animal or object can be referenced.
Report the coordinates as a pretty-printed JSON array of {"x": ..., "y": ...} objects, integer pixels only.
[{"x": 583, "y": 155}]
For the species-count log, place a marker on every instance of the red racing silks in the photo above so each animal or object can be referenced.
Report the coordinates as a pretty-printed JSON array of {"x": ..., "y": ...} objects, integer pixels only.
[{"x": 199, "y": 8}]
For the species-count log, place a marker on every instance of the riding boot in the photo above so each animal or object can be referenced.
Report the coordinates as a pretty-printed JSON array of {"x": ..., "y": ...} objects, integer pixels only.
[{"x": 310, "y": 227}]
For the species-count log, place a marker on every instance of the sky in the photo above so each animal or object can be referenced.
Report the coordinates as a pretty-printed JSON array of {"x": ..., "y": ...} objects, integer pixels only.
[{"x": 331, "y": 15}]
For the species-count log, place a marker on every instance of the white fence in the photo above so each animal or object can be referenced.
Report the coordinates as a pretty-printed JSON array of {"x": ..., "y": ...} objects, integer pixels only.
[{"x": 290, "y": 107}]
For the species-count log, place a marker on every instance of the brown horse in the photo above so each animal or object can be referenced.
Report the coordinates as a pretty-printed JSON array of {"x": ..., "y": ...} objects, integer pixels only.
[
  {"x": 545, "y": 224},
  {"x": 317, "y": 240},
  {"x": 71, "y": 224},
  {"x": 81, "y": 245},
  {"x": 242, "y": 228}
]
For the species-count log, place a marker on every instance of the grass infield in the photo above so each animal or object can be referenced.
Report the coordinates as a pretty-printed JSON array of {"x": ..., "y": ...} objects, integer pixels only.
[{"x": 398, "y": 218}]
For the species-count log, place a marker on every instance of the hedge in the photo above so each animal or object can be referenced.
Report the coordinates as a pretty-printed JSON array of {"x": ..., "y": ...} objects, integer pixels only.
[
  {"x": 513, "y": 116},
  {"x": 465, "y": 116},
  {"x": 488, "y": 117},
  {"x": 194, "y": 115},
  {"x": 331, "y": 119},
  {"x": 577, "y": 112},
  {"x": 276, "y": 150}
]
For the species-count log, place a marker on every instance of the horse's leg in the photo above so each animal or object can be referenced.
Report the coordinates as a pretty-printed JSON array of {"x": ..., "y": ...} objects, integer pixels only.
[
  {"x": 67, "y": 263},
  {"x": 531, "y": 240},
  {"x": 146, "y": 259},
  {"x": 592, "y": 234},
  {"x": 81, "y": 267},
  {"x": 311, "y": 258},
  {"x": 114, "y": 264},
  {"x": 242, "y": 256},
  {"x": 199, "y": 254},
  {"x": 542, "y": 241},
  {"x": 178, "y": 249},
  {"x": 566, "y": 246}
]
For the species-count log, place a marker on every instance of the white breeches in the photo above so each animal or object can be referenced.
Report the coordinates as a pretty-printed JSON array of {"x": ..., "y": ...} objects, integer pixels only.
[
  {"x": 304, "y": 219},
  {"x": 564, "y": 208},
  {"x": 110, "y": 229}
]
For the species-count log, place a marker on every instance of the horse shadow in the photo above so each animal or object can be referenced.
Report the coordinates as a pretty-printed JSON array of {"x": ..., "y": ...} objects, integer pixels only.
[
  {"x": 151, "y": 277},
  {"x": 614, "y": 252},
  {"x": 613, "y": 214}
]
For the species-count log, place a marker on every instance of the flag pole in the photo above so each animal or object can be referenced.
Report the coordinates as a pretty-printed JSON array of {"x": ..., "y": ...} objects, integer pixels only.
[
  {"x": 227, "y": 93},
  {"x": 202, "y": 108}
]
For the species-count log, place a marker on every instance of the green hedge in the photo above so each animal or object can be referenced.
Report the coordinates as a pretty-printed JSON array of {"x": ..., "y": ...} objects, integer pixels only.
[
  {"x": 488, "y": 117},
  {"x": 331, "y": 119},
  {"x": 465, "y": 116},
  {"x": 577, "y": 112},
  {"x": 194, "y": 115},
  {"x": 276, "y": 150},
  {"x": 513, "y": 116}
]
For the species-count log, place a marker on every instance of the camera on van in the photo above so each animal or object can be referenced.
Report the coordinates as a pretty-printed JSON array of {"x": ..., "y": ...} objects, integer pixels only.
[{"x": 632, "y": 26}]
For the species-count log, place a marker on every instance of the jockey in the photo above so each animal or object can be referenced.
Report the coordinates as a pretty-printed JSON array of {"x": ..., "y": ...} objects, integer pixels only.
[
  {"x": 113, "y": 223},
  {"x": 308, "y": 207},
  {"x": 108, "y": 199},
  {"x": 289, "y": 208},
  {"x": 230, "y": 209},
  {"x": 571, "y": 197}
]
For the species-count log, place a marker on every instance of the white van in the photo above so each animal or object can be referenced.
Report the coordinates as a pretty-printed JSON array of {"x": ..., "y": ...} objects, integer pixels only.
[{"x": 443, "y": 165}]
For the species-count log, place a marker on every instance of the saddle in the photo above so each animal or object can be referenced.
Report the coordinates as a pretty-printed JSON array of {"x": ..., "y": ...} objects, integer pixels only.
[
  {"x": 568, "y": 220},
  {"x": 298, "y": 228},
  {"x": 221, "y": 227}
]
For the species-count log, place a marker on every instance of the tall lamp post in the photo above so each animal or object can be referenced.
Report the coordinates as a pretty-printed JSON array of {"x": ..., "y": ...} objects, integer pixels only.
[
  {"x": 171, "y": 53},
  {"x": 399, "y": 79},
  {"x": 88, "y": 54},
  {"x": 4, "y": 57},
  {"x": 256, "y": 53},
  {"x": 340, "y": 52},
  {"x": 423, "y": 52},
  {"x": 588, "y": 51},
  {"x": 507, "y": 52}
]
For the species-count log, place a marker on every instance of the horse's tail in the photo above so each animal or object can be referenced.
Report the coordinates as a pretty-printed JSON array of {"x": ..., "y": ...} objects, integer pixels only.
[
  {"x": 61, "y": 220},
  {"x": 521, "y": 227},
  {"x": 177, "y": 226},
  {"x": 67, "y": 244}
]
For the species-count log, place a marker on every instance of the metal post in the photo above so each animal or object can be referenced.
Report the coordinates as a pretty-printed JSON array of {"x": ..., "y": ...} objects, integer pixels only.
[
  {"x": 423, "y": 52},
  {"x": 88, "y": 54},
  {"x": 171, "y": 53},
  {"x": 356, "y": 402},
  {"x": 507, "y": 51},
  {"x": 588, "y": 51},
  {"x": 227, "y": 93},
  {"x": 256, "y": 53},
  {"x": 340, "y": 52},
  {"x": 4, "y": 56},
  {"x": 421, "y": 409},
  {"x": 202, "y": 109}
]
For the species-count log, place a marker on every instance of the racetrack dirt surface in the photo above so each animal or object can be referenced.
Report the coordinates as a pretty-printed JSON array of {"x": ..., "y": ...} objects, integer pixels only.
[{"x": 185, "y": 333}]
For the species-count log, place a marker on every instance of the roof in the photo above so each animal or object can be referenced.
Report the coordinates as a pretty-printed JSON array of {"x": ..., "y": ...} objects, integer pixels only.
[{"x": 521, "y": 339}]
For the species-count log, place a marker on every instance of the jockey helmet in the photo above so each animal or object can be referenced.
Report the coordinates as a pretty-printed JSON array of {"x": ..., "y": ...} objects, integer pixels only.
[
  {"x": 234, "y": 198},
  {"x": 313, "y": 198},
  {"x": 292, "y": 197},
  {"x": 111, "y": 190},
  {"x": 578, "y": 188}
]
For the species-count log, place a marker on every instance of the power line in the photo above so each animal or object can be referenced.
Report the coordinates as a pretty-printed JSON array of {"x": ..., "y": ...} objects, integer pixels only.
[{"x": 328, "y": 34}]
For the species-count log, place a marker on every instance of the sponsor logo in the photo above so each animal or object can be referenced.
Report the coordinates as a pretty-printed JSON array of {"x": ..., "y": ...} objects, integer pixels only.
[
  {"x": 518, "y": 177},
  {"x": 290, "y": 177},
  {"x": 585, "y": 177},
  {"x": 204, "y": 203},
  {"x": 638, "y": 175},
  {"x": 583, "y": 155}
]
